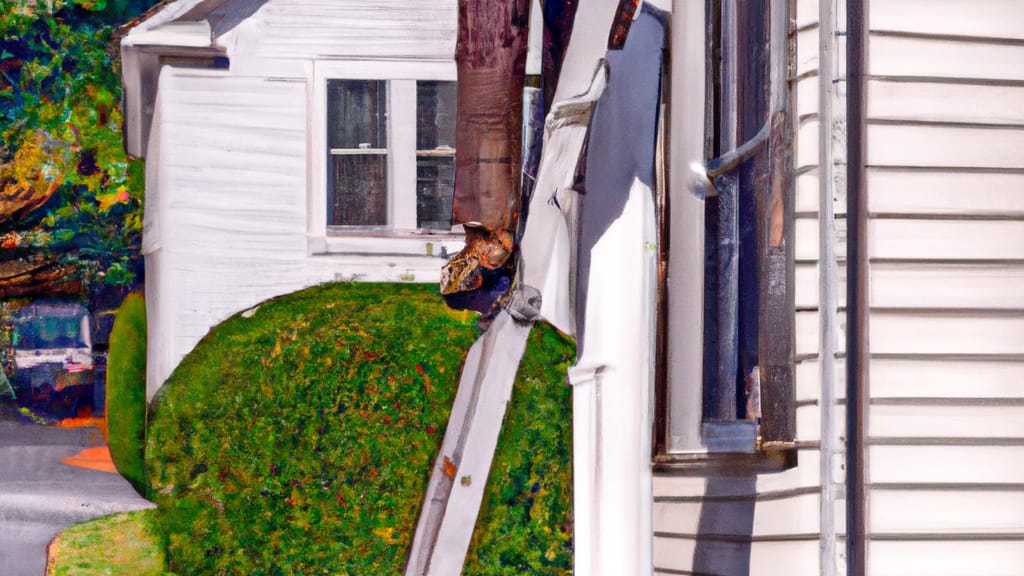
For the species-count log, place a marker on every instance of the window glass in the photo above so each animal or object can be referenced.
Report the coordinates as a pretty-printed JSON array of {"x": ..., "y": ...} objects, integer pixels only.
[
  {"x": 357, "y": 142},
  {"x": 359, "y": 191},
  {"x": 357, "y": 114},
  {"x": 435, "y": 153}
]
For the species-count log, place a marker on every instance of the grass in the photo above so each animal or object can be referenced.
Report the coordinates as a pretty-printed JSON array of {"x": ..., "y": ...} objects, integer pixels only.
[
  {"x": 118, "y": 545},
  {"x": 297, "y": 438}
]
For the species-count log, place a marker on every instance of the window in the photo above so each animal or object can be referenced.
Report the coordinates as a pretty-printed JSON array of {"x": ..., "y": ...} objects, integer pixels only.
[
  {"x": 361, "y": 157},
  {"x": 381, "y": 174},
  {"x": 435, "y": 154},
  {"x": 725, "y": 389}
]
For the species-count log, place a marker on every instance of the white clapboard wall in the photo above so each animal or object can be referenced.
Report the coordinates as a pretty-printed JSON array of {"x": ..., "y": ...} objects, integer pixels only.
[
  {"x": 229, "y": 184},
  {"x": 945, "y": 187}
]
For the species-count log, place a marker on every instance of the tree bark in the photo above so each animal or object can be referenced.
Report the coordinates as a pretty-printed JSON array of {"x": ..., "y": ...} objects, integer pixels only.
[{"x": 491, "y": 59}]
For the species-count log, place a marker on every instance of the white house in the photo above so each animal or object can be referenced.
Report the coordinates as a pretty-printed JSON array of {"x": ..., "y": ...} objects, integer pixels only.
[
  {"x": 230, "y": 104},
  {"x": 914, "y": 113}
]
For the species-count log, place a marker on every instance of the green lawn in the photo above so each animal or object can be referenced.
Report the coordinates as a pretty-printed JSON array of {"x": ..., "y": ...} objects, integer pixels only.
[{"x": 119, "y": 545}]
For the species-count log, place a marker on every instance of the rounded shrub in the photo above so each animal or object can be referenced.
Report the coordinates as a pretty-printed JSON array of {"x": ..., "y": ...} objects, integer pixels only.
[
  {"x": 126, "y": 390},
  {"x": 298, "y": 438}
]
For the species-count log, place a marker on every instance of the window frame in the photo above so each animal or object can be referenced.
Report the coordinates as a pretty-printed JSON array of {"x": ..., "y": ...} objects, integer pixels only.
[
  {"x": 400, "y": 234},
  {"x": 686, "y": 439}
]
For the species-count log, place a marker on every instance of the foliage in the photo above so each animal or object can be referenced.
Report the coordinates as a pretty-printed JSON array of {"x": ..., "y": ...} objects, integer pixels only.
[
  {"x": 126, "y": 390},
  {"x": 67, "y": 188},
  {"x": 297, "y": 438},
  {"x": 525, "y": 522},
  {"x": 119, "y": 545}
]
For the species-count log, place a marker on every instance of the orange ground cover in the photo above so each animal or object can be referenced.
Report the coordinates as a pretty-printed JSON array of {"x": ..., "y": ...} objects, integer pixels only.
[{"x": 95, "y": 458}]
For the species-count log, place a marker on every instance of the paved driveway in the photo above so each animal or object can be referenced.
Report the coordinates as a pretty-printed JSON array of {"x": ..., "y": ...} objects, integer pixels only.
[{"x": 39, "y": 496}]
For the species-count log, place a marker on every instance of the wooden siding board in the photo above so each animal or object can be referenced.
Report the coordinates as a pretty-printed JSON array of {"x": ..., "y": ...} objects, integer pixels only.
[
  {"x": 673, "y": 553},
  {"x": 793, "y": 515},
  {"x": 936, "y": 102},
  {"x": 979, "y": 18},
  {"x": 951, "y": 379},
  {"x": 807, "y": 192},
  {"x": 806, "y": 474},
  {"x": 945, "y": 147},
  {"x": 908, "y": 333},
  {"x": 807, "y": 145},
  {"x": 916, "y": 57},
  {"x": 945, "y": 558},
  {"x": 946, "y": 193},
  {"x": 925, "y": 464},
  {"x": 796, "y": 558},
  {"x": 944, "y": 240},
  {"x": 806, "y": 51},
  {"x": 936, "y": 286},
  {"x": 948, "y": 421},
  {"x": 901, "y": 511}
]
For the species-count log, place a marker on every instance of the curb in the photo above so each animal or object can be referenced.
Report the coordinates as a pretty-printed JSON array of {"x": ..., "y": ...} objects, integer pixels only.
[{"x": 51, "y": 557}]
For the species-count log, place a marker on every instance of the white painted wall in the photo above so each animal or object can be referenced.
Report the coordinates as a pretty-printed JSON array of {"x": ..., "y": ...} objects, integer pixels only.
[{"x": 229, "y": 171}]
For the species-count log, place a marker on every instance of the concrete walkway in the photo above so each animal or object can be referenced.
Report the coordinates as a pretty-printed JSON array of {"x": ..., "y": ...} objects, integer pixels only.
[{"x": 39, "y": 496}]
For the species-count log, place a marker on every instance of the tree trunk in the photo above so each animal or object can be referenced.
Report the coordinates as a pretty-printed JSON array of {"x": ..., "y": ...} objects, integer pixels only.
[{"x": 491, "y": 58}]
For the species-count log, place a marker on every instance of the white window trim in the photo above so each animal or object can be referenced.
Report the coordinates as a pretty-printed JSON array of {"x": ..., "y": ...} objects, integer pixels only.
[{"x": 401, "y": 236}]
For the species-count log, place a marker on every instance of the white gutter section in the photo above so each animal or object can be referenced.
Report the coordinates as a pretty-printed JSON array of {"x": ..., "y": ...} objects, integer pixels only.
[
  {"x": 140, "y": 65},
  {"x": 195, "y": 34}
]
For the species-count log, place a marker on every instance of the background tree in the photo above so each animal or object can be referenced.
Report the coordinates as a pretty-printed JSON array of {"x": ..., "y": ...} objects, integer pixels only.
[{"x": 70, "y": 198}]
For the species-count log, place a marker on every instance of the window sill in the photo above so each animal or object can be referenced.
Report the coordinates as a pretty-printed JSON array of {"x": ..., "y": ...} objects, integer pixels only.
[
  {"x": 732, "y": 447},
  {"x": 763, "y": 461},
  {"x": 387, "y": 243}
]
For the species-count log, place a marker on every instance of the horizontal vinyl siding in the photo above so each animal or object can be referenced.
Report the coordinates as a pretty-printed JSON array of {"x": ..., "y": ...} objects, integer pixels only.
[
  {"x": 946, "y": 197},
  {"x": 986, "y": 18},
  {"x": 945, "y": 558},
  {"x": 232, "y": 164},
  {"x": 309, "y": 29}
]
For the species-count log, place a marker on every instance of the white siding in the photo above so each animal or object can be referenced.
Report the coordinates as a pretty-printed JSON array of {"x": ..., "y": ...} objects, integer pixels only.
[
  {"x": 348, "y": 29},
  {"x": 231, "y": 201},
  {"x": 946, "y": 161}
]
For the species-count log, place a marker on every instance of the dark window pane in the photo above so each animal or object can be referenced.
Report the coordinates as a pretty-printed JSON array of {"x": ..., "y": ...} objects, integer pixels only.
[
  {"x": 359, "y": 190},
  {"x": 435, "y": 182},
  {"x": 357, "y": 114},
  {"x": 435, "y": 115}
]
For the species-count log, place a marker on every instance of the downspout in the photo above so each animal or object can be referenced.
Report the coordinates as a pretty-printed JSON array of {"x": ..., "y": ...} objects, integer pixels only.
[
  {"x": 856, "y": 291},
  {"x": 827, "y": 288}
]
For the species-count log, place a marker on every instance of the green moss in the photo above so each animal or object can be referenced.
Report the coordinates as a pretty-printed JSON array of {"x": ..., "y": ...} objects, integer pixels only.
[
  {"x": 298, "y": 438},
  {"x": 118, "y": 545},
  {"x": 126, "y": 390}
]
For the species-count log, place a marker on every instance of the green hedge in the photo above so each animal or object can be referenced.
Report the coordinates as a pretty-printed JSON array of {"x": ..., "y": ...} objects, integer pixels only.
[
  {"x": 126, "y": 390},
  {"x": 298, "y": 439}
]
